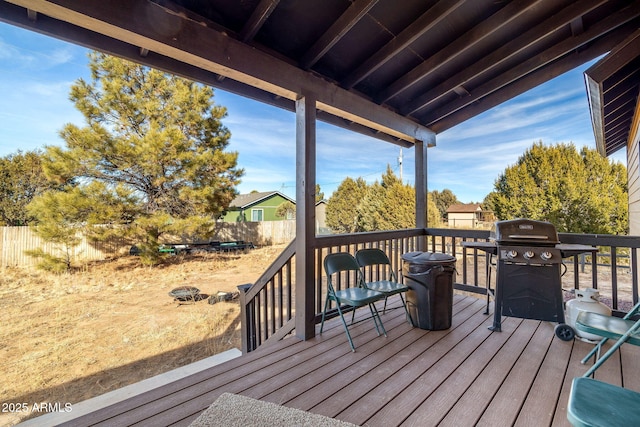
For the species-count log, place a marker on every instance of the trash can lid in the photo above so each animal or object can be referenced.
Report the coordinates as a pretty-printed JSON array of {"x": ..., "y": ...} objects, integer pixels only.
[{"x": 428, "y": 258}]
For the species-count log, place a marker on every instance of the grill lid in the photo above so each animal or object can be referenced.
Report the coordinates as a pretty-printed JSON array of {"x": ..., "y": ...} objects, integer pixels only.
[{"x": 524, "y": 232}]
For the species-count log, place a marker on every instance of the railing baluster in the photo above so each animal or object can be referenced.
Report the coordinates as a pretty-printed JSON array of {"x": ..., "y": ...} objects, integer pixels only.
[
  {"x": 272, "y": 310},
  {"x": 614, "y": 277},
  {"x": 634, "y": 274},
  {"x": 265, "y": 301},
  {"x": 576, "y": 270},
  {"x": 258, "y": 324},
  {"x": 280, "y": 301},
  {"x": 289, "y": 276},
  {"x": 594, "y": 271},
  {"x": 464, "y": 262}
]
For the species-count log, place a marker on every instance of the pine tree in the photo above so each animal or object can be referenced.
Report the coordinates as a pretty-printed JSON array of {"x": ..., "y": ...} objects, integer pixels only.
[
  {"x": 21, "y": 179},
  {"x": 443, "y": 199},
  {"x": 579, "y": 192},
  {"x": 156, "y": 144},
  {"x": 342, "y": 214},
  {"x": 388, "y": 205}
]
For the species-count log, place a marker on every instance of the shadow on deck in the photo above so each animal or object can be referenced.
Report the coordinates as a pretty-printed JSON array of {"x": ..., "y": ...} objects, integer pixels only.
[{"x": 466, "y": 375}]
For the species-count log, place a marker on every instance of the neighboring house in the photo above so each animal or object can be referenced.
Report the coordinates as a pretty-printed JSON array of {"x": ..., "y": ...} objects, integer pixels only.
[
  {"x": 256, "y": 207},
  {"x": 465, "y": 215},
  {"x": 321, "y": 217}
]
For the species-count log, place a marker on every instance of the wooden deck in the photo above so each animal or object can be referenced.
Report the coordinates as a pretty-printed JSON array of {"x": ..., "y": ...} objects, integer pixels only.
[{"x": 463, "y": 376}]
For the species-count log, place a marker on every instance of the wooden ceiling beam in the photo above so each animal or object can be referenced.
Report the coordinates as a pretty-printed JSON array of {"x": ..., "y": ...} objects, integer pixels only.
[
  {"x": 503, "y": 90},
  {"x": 601, "y": 110},
  {"x": 569, "y": 47},
  {"x": 52, "y": 27},
  {"x": 468, "y": 41},
  {"x": 185, "y": 40},
  {"x": 619, "y": 126},
  {"x": 257, "y": 19},
  {"x": 619, "y": 57},
  {"x": 356, "y": 11},
  {"x": 420, "y": 26},
  {"x": 618, "y": 97},
  {"x": 498, "y": 57}
]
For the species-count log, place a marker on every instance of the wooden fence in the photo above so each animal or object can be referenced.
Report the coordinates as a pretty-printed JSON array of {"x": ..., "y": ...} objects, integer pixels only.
[
  {"x": 15, "y": 241},
  {"x": 263, "y": 233}
]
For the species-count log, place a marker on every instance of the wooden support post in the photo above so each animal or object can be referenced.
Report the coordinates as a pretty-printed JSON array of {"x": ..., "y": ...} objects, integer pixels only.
[
  {"x": 247, "y": 314},
  {"x": 421, "y": 190},
  {"x": 305, "y": 216}
]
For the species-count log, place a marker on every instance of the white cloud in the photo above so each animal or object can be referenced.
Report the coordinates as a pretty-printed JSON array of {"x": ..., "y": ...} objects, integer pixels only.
[
  {"x": 7, "y": 51},
  {"x": 36, "y": 71},
  {"x": 59, "y": 90}
]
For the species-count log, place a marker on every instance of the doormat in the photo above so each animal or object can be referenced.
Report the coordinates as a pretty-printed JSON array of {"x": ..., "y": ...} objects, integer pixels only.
[{"x": 231, "y": 410}]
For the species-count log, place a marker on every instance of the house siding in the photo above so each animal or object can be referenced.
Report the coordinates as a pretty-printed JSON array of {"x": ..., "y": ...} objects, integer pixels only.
[
  {"x": 459, "y": 219},
  {"x": 268, "y": 206},
  {"x": 633, "y": 176}
]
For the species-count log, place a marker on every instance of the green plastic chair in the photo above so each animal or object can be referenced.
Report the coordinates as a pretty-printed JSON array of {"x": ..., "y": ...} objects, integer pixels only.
[
  {"x": 376, "y": 258},
  {"x": 354, "y": 296},
  {"x": 623, "y": 330},
  {"x": 593, "y": 403}
]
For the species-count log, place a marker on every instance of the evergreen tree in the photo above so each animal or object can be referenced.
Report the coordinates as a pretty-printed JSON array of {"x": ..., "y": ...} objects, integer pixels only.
[
  {"x": 286, "y": 210},
  {"x": 433, "y": 213},
  {"x": 388, "y": 205},
  {"x": 319, "y": 193},
  {"x": 21, "y": 179},
  {"x": 443, "y": 200},
  {"x": 156, "y": 144},
  {"x": 342, "y": 214},
  {"x": 579, "y": 192}
]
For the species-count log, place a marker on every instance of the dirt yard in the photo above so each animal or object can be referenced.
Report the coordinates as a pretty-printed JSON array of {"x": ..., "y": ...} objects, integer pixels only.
[{"x": 66, "y": 338}]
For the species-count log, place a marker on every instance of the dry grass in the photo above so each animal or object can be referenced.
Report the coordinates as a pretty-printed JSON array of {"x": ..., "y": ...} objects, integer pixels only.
[{"x": 66, "y": 338}]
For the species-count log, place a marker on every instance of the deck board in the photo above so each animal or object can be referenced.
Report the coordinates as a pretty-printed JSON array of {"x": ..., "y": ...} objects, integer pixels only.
[
  {"x": 490, "y": 374},
  {"x": 521, "y": 369},
  {"x": 435, "y": 367},
  {"x": 369, "y": 407},
  {"x": 465, "y": 375},
  {"x": 336, "y": 392},
  {"x": 542, "y": 399}
]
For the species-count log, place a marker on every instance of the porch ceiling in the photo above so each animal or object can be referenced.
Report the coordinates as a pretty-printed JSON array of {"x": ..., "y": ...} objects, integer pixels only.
[
  {"x": 398, "y": 71},
  {"x": 613, "y": 84}
]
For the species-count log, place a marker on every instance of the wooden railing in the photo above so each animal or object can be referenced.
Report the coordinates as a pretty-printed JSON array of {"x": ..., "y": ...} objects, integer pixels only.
[{"x": 268, "y": 306}]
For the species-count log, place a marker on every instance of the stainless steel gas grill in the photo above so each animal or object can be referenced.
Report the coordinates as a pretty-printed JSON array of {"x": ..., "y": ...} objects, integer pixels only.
[{"x": 529, "y": 269}]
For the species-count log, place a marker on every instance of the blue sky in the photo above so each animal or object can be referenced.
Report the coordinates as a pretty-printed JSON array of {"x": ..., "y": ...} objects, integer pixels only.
[{"x": 36, "y": 73}]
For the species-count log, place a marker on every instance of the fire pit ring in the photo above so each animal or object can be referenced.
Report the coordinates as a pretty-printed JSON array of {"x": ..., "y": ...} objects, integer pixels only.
[{"x": 185, "y": 293}]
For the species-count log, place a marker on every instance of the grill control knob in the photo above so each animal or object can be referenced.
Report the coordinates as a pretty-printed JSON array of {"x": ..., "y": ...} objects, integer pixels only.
[
  {"x": 529, "y": 254},
  {"x": 546, "y": 255},
  {"x": 512, "y": 254}
]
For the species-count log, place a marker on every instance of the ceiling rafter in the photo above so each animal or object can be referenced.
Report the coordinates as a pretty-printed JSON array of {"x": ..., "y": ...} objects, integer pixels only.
[
  {"x": 48, "y": 26},
  {"x": 617, "y": 127},
  {"x": 418, "y": 28},
  {"x": 466, "y": 42},
  {"x": 199, "y": 45},
  {"x": 278, "y": 51},
  {"x": 619, "y": 109},
  {"x": 259, "y": 16},
  {"x": 343, "y": 24},
  {"x": 503, "y": 91},
  {"x": 617, "y": 95},
  {"x": 613, "y": 88},
  {"x": 556, "y": 52},
  {"x": 501, "y": 55}
]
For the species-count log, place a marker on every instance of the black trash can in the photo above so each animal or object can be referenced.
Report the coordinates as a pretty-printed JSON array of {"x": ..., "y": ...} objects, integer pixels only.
[{"x": 429, "y": 276}]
